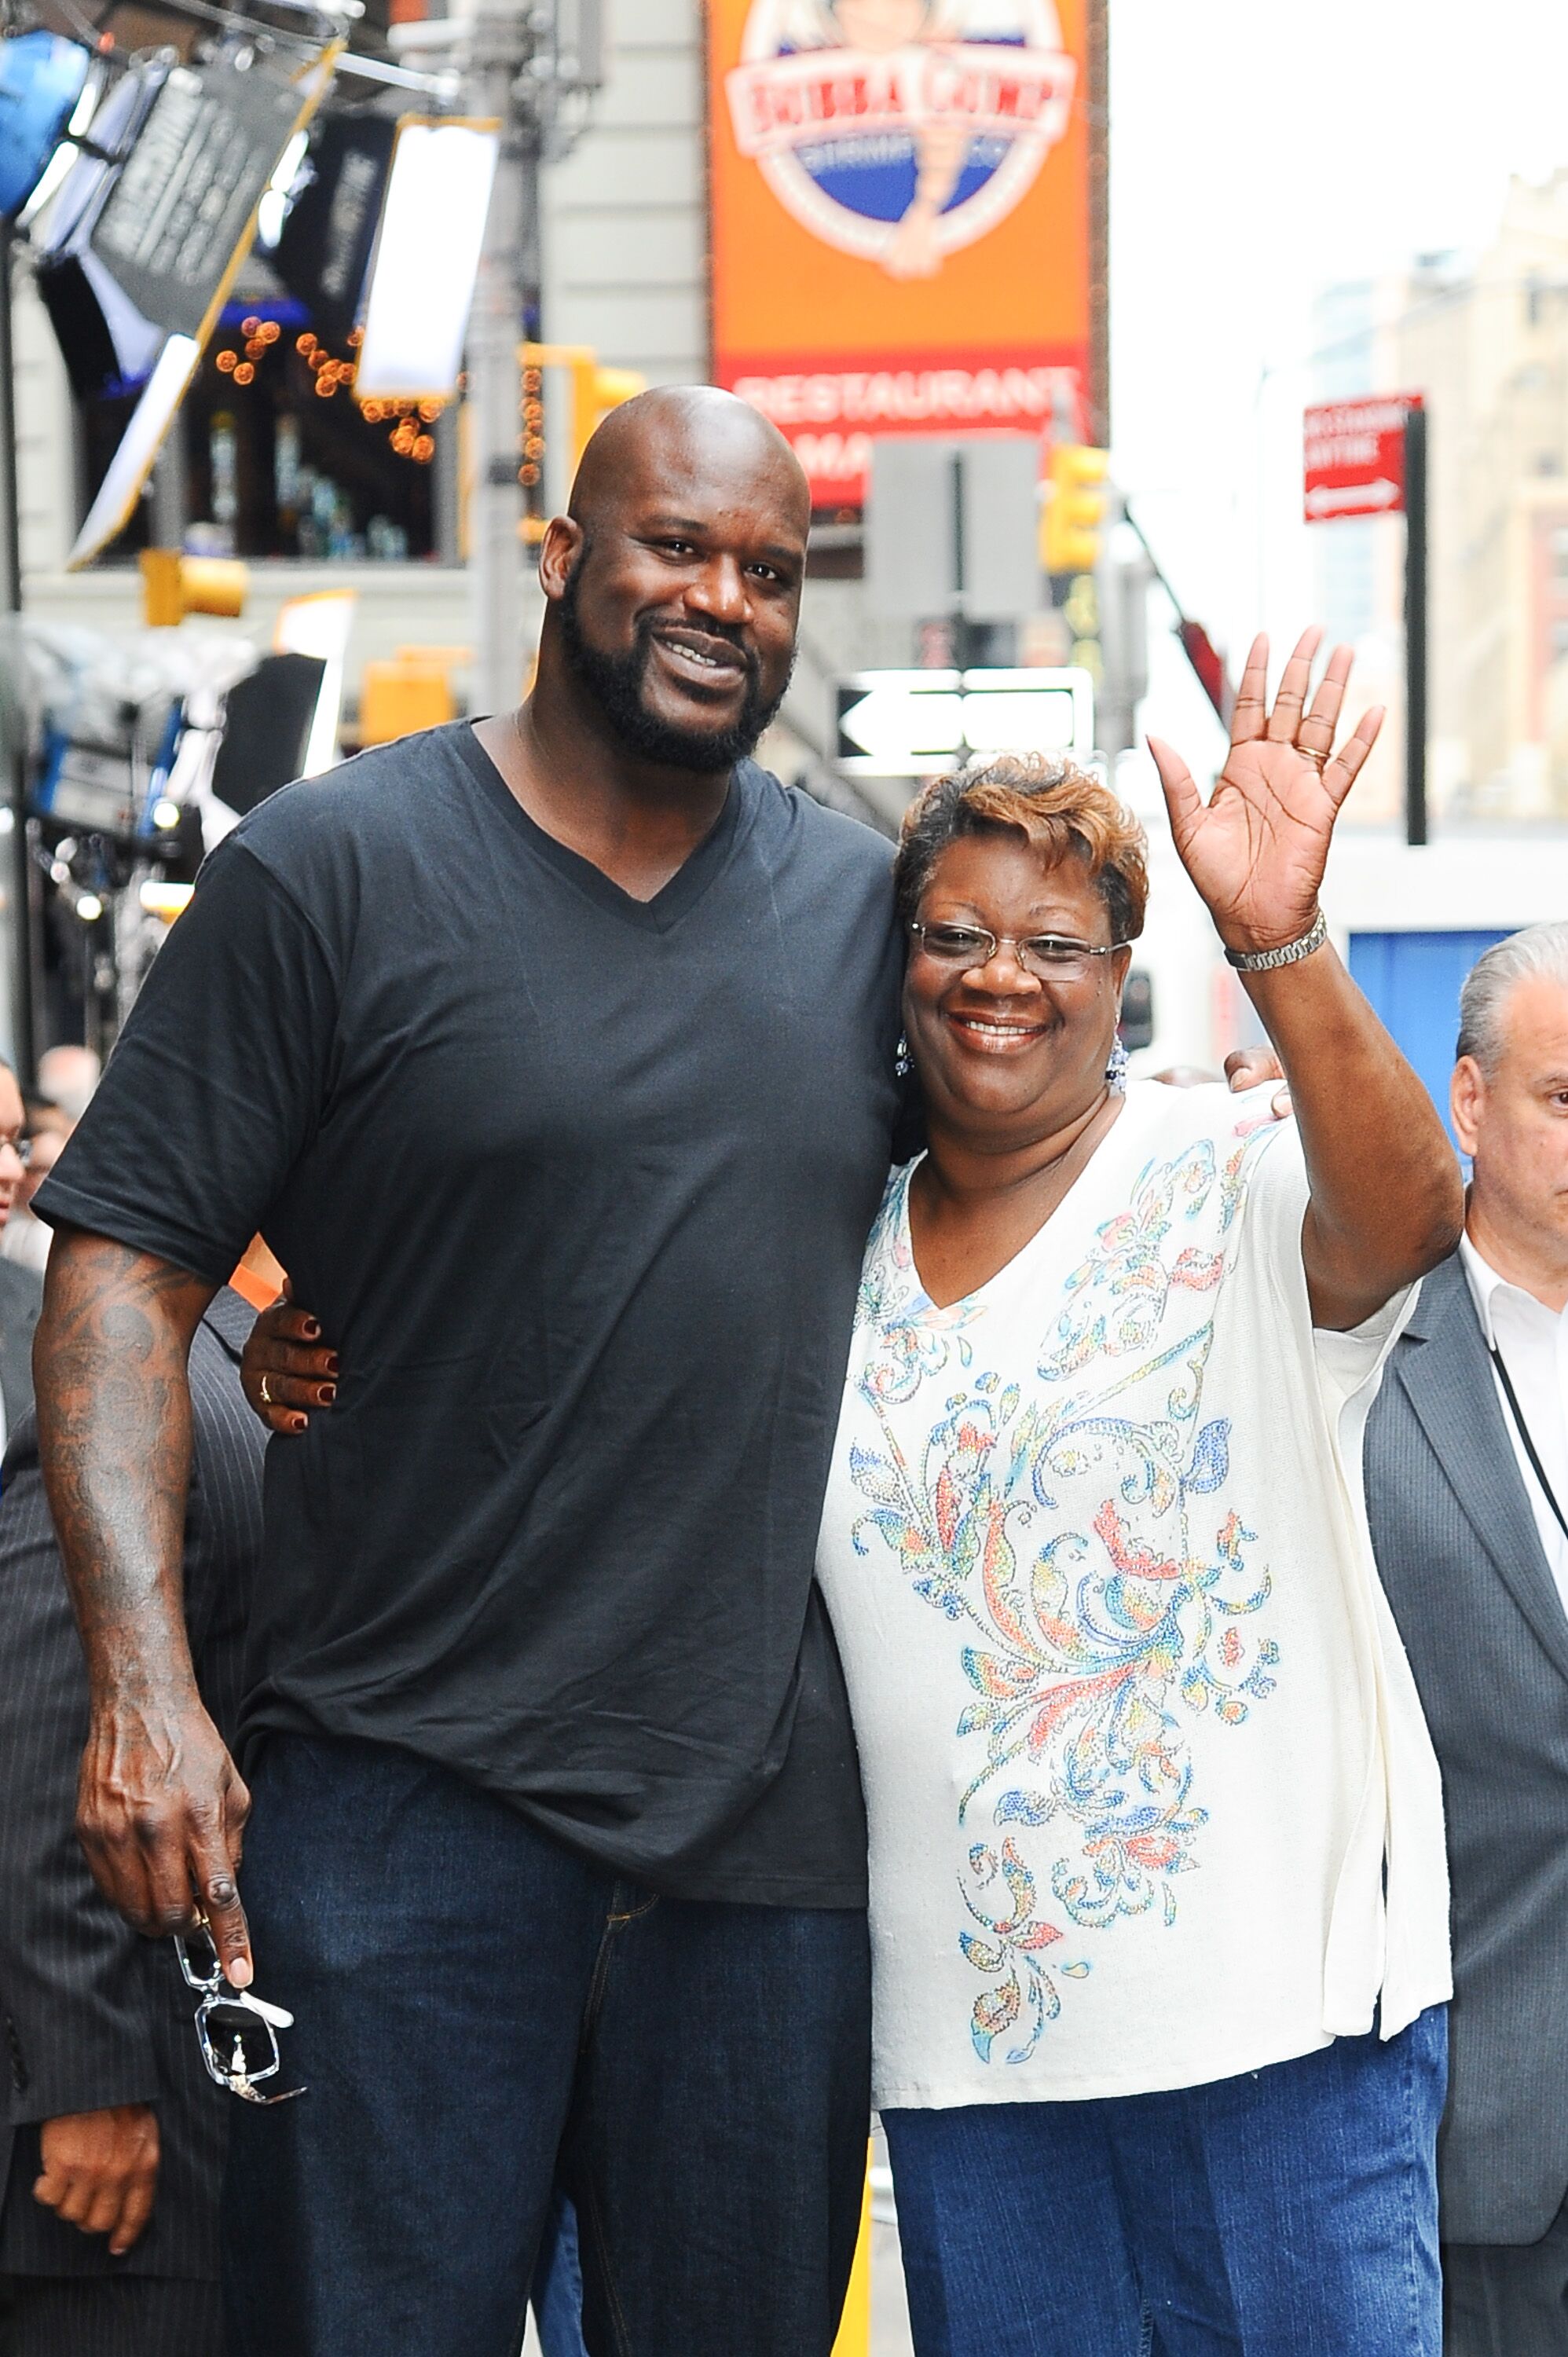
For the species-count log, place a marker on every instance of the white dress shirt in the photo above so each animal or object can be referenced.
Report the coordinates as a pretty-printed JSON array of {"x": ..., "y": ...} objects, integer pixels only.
[{"x": 1532, "y": 1342}]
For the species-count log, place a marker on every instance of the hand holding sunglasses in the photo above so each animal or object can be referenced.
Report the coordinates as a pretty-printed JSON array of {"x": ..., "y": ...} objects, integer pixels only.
[{"x": 233, "y": 2026}]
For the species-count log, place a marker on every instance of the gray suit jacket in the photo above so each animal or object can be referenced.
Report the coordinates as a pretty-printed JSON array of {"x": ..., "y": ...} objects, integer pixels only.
[
  {"x": 92, "y": 2015},
  {"x": 21, "y": 1299},
  {"x": 1487, "y": 1638}
]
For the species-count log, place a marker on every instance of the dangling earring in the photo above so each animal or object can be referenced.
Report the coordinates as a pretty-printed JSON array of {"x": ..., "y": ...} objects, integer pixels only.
[
  {"x": 1116, "y": 1070},
  {"x": 902, "y": 1064}
]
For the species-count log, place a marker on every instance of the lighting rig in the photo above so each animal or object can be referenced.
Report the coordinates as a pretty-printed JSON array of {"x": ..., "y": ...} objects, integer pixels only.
[{"x": 135, "y": 179}]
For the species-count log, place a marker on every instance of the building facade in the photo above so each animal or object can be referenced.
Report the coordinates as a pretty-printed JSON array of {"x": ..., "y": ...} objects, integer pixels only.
[{"x": 1484, "y": 338}]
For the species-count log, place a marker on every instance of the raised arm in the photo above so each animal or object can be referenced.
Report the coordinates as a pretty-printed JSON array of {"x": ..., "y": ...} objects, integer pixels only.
[
  {"x": 1386, "y": 1201},
  {"x": 160, "y": 1805}
]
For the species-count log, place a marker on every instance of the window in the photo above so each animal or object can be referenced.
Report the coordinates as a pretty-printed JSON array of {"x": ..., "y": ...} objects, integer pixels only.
[{"x": 279, "y": 459}]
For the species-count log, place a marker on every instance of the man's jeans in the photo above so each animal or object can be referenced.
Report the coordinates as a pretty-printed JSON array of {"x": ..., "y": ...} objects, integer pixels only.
[
  {"x": 1288, "y": 2212},
  {"x": 477, "y": 2010}
]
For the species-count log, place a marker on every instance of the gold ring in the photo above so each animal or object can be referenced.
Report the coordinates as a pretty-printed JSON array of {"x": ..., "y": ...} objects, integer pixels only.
[
  {"x": 1319, "y": 761},
  {"x": 267, "y": 1400}
]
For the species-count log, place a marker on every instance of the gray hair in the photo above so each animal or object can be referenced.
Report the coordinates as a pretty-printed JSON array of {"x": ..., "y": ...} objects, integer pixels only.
[{"x": 1539, "y": 950}]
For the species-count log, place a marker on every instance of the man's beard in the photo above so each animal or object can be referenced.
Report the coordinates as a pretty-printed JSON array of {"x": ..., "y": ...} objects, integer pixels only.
[{"x": 615, "y": 683}]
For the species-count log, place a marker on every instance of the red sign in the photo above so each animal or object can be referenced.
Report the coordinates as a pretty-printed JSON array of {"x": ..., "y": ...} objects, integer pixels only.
[{"x": 1353, "y": 454}]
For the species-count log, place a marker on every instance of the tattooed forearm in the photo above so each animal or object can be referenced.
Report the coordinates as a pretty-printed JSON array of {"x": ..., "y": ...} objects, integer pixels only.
[
  {"x": 113, "y": 1398},
  {"x": 160, "y": 1807}
]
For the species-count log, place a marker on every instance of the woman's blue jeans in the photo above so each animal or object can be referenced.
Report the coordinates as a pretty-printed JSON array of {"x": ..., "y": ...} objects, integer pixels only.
[{"x": 1288, "y": 2212}]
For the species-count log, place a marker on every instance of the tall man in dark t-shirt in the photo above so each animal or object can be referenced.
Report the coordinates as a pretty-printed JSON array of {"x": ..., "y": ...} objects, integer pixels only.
[{"x": 557, "y": 1852}]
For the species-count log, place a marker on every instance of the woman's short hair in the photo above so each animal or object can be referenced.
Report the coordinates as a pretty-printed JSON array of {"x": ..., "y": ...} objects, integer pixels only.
[{"x": 1055, "y": 806}]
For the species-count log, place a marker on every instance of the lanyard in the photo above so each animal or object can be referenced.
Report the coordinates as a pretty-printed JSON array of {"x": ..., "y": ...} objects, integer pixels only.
[{"x": 1547, "y": 1490}]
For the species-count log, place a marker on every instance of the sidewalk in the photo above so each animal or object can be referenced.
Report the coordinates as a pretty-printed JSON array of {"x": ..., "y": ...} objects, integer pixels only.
[{"x": 889, "y": 2314}]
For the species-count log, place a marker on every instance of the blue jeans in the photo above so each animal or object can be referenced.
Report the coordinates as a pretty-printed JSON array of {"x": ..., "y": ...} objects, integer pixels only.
[
  {"x": 1289, "y": 2212},
  {"x": 557, "y": 2293},
  {"x": 480, "y": 2012}
]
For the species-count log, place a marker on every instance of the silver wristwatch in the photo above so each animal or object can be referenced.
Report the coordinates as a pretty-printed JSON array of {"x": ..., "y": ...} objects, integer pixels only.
[{"x": 1290, "y": 953}]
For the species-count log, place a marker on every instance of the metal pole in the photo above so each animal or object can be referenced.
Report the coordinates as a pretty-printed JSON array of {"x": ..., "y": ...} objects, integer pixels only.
[
  {"x": 501, "y": 45},
  {"x": 961, "y": 636},
  {"x": 1415, "y": 626},
  {"x": 169, "y": 494},
  {"x": 1097, "y": 46},
  {"x": 1121, "y": 590},
  {"x": 23, "y": 1025}
]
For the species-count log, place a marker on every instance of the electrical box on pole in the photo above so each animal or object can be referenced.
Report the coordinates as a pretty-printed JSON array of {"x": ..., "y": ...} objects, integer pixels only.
[
  {"x": 950, "y": 526},
  {"x": 1123, "y": 579}
]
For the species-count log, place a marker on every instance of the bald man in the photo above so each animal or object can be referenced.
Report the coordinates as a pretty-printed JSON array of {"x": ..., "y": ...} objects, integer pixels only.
[{"x": 555, "y": 1847}]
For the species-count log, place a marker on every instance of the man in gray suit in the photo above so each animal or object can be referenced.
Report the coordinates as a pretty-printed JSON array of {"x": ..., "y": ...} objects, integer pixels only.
[
  {"x": 21, "y": 1289},
  {"x": 1467, "y": 1470},
  {"x": 112, "y": 2138}
]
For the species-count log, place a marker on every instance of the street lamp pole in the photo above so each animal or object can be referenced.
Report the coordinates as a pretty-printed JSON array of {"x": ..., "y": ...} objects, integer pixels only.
[
  {"x": 501, "y": 46},
  {"x": 531, "y": 66},
  {"x": 1415, "y": 616}
]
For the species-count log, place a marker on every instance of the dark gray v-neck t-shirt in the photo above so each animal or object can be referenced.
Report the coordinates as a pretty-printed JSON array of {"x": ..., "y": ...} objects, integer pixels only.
[{"x": 579, "y": 1187}]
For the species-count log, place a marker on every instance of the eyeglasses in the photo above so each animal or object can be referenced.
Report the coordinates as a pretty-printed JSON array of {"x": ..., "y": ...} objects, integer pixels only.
[
  {"x": 22, "y": 1148},
  {"x": 226, "y": 2018},
  {"x": 1046, "y": 955}
]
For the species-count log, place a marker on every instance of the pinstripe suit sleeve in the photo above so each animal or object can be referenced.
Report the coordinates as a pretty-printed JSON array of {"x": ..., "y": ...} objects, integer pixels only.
[
  {"x": 71, "y": 1984},
  {"x": 85, "y": 1996}
]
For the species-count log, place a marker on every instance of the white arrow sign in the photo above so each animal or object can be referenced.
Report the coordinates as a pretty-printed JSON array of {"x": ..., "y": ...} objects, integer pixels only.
[
  {"x": 901, "y": 727},
  {"x": 903, "y": 724},
  {"x": 1352, "y": 499}
]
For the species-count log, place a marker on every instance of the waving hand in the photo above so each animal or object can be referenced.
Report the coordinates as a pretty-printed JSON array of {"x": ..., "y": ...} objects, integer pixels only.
[{"x": 1256, "y": 850}]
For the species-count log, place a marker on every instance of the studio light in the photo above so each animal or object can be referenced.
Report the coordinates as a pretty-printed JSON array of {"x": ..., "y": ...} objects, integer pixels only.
[
  {"x": 272, "y": 211},
  {"x": 104, "y": 338},
  {"x": 322, "y": 251},
  {"x": 318, "y": 625},
  {"x": 150, "y": 421},
  {"x": 172, "y": 260},
  {"x": 41, "y": 82},
  {"x": 427, "y": 259}
]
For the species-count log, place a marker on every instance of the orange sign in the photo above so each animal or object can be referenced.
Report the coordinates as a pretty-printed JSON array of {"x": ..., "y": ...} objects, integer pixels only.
[{"x": 900, "y": 236}]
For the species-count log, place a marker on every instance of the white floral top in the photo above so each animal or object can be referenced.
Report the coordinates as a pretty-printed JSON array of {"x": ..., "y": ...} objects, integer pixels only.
[{"x": 1137, "y": 1728}]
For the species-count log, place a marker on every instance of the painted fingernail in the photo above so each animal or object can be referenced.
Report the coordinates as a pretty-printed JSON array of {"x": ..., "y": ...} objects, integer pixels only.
[
  {"x": 299, "y": 1423},
  {"x": 332, "y": 1362},
  {"x": 327, "y": 1393},
  {"x": 311, "y": 1331}
]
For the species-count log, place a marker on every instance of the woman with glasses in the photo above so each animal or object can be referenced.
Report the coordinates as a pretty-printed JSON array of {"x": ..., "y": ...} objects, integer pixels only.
[{"x": 1158, "y": 1895}]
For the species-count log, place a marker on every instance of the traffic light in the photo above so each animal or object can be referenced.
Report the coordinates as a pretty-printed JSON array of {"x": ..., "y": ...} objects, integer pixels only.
[
  {"x": 608, "y": 388},
  {"x": 1074, "y": 511}
]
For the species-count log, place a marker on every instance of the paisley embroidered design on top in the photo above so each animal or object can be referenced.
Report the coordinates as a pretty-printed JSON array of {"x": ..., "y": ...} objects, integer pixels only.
[{"x": 1078, "y": 1537}]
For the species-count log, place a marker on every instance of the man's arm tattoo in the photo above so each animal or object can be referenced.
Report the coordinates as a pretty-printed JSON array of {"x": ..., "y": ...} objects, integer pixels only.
[{"x": 114, "y": 1404}]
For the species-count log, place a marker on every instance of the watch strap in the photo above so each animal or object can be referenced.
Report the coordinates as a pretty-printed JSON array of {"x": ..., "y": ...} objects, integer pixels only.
[{"x": 1289, "y": 953}]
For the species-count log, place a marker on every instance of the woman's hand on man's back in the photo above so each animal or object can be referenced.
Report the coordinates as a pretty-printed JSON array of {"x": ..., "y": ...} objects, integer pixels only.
[
  {"x": 1249, "y": 1068},
  {"x": 288, "y": 1369}
]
